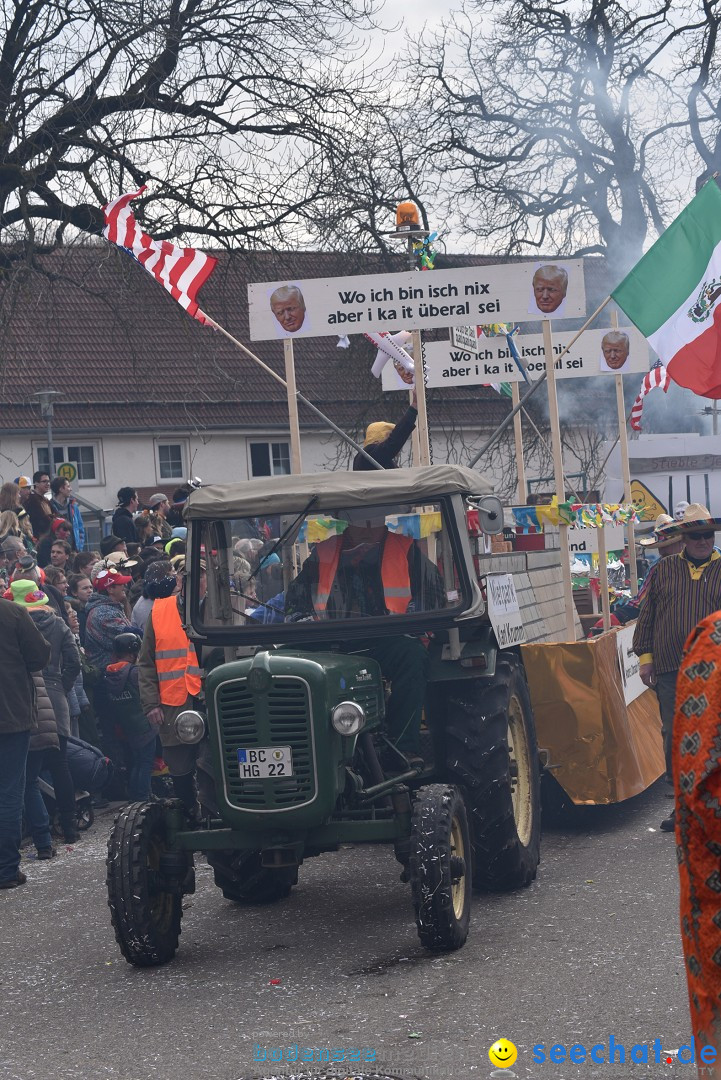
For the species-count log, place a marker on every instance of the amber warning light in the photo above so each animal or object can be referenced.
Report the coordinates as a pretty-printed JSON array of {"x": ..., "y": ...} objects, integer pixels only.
[{"x": 407, "y": 216}]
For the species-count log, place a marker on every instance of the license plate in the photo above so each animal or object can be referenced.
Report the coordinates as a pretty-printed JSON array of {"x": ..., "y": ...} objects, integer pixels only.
[{"x": 265, "y": 762}]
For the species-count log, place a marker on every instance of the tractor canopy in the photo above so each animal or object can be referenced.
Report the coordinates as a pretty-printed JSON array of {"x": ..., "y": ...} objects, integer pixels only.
[
  {"x": 270, "y": 495},
  {"x": 325, "y": 557}
]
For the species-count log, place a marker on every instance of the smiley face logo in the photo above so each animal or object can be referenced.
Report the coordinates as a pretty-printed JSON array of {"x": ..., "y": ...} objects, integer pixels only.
[{"x": 502, "y": 1054}]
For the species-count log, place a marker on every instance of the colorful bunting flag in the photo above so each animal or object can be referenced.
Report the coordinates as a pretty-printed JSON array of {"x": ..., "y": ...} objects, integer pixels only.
[{"x": 588, "y": 515}]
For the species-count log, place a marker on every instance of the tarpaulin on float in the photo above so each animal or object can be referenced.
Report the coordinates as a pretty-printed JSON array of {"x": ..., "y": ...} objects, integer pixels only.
[{"x": 605, "y": 750}]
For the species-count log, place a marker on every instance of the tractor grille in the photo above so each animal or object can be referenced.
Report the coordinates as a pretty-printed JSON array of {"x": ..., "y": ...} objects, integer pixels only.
[{"x": 279, "y": 717}]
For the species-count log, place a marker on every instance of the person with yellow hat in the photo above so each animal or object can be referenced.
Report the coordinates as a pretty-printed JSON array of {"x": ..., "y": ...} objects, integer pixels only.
[
  {"x": 684, "y": 589},
  {"x": 384, "y": 441}
]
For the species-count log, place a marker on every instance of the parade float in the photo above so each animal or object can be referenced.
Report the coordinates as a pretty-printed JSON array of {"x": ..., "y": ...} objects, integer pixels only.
[
  {"x": 599, "y": 730},
  {"x": 598, "y": 725}
]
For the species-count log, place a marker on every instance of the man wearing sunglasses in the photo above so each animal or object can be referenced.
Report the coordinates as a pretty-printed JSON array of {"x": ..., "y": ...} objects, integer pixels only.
[{"x": 685, "y": 589}]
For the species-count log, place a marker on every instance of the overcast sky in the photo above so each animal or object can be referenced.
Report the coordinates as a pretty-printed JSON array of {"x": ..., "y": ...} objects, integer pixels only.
[
  {"x": 411, "y": 17},
  {"x": 415, "y": 14}
]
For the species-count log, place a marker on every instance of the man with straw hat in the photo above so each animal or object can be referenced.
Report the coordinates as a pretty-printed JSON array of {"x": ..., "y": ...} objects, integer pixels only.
[
  {"x": 683, "y": 590},
  {"x": 663, "y": 540},
  {"x": 665, "y": 543}
]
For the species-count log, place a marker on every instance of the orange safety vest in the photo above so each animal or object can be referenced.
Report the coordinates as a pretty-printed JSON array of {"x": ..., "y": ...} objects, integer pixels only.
[
  {"x": 394, "y": 572},
  {"x": 176, "y": 661}
]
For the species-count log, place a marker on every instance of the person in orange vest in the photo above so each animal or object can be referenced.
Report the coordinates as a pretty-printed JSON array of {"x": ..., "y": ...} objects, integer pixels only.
[
  {"x": 170, "y": 678},
  {"x": 370, "y": 571}
]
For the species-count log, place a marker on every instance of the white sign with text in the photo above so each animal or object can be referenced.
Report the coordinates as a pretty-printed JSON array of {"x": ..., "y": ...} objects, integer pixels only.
[
  {"x": 493, "y": 363},
  {"x": 466, "y": 296},
  {"x": 629, "y": 664},
  {"x": 464, "y": 338},
  {"x": 585, "y": 541},
  {"x": 503, "y": 610}
]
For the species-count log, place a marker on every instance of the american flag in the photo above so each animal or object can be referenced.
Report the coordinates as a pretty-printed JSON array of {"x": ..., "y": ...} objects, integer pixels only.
[
  {"x": 657, "y": 376},
  {"x": 182, "y": 271}
]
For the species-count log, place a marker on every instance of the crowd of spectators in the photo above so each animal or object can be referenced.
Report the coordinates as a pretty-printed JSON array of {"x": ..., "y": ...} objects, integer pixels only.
[{"x": 90, "y": 609}]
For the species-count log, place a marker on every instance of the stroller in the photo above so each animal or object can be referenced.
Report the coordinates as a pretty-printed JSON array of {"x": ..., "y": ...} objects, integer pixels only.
[{"x": 90, "y": 771}]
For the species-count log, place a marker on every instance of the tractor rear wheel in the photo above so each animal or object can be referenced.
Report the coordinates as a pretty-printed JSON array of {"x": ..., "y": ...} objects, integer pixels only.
[{"x": 492, "y": 754}]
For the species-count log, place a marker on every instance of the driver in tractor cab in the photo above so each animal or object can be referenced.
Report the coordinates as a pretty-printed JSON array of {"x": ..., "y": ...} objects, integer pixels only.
[{"x": 370, "y": 571}]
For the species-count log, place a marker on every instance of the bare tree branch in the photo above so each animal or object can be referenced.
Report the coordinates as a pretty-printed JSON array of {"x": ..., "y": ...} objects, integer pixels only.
[
  {"x": 234, "y": 111},
  {"x": 565, "y": 126}
]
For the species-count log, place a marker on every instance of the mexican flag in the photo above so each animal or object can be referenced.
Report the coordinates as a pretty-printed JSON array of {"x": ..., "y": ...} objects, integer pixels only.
[{"x": 672, "y": 295}]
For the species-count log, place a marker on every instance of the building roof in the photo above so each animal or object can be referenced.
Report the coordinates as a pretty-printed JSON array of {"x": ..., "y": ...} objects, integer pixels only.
[{"x": 87, "y": 321}]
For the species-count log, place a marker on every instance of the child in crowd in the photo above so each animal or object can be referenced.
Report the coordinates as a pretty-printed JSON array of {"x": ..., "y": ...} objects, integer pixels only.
[
  {"x": 122, "y": 702},
  {"x": 77, "y": 698}
]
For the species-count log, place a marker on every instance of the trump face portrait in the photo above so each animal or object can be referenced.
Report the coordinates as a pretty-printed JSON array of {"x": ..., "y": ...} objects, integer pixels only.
[
  {"x": 615, "y": 347},
  {"x": 288, "y": 306},
  {"x": 550, "y": 284}
]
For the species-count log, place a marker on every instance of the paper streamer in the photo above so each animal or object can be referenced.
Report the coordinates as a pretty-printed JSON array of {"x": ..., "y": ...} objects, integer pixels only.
[
  {"x": 315, "y": 529},
  {"x": 585, "y": 515},
  {"x": 497, "y": 329},
  {"x": 417, "y": 526},
  {"x": 425, "y": 252}
]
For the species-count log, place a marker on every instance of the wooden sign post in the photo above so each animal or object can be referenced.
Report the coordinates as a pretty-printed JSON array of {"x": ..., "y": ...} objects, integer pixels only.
[
  {"x": 415, "y": 441},
  {"x": 522, "y": 495},
  {"x": 424, "y": 447},
  {"x": 626, "y": 474},
  {"x": 603, "y": 577},
  {"x": 625, "y": 471},
  {"x": 295, "y": 458},
  {"x": 559, "y": 482}
]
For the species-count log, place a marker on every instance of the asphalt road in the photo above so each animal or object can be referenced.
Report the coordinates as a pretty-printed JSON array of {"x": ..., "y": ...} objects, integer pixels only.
[{"x": 591, "y": 949}]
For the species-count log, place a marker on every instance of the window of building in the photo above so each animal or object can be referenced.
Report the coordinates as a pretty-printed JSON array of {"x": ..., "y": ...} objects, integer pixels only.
[
  {"x": 58, "y": 455},
  {"x": 84, "y": 456},
  {"x": 270, "y": 459},
  {"x": 171, "y": 464}
]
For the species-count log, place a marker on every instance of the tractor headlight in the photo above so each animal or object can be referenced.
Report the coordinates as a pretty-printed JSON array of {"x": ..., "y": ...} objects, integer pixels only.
[
  {"x": 347, "y": 718},
  {"x": 189, "y": 726}
]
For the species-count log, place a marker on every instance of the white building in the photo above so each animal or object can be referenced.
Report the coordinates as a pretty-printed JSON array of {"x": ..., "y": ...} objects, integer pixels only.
[{"x": 673, "y": 468}]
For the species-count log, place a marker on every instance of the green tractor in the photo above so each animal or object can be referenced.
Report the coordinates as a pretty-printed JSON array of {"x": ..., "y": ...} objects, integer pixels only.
[{"x": 301, "y": 745}]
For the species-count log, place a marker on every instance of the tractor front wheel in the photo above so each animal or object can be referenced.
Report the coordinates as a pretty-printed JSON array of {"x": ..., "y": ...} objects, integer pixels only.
[
  {"x": 145, "y": 900},
  {"x": 440, "y": 867}
]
